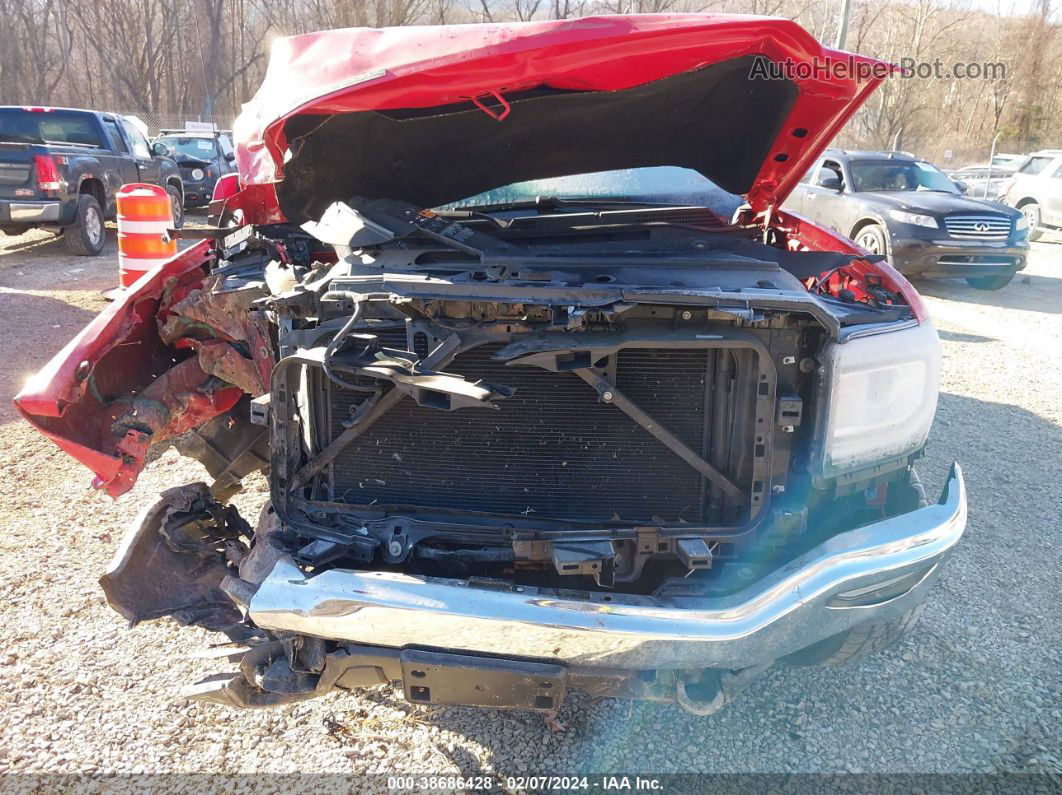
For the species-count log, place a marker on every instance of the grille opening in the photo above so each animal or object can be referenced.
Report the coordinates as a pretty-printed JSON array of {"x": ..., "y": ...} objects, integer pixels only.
[
  {"x": 554, "y": 450},
  {"x": 978, "y": 227}
]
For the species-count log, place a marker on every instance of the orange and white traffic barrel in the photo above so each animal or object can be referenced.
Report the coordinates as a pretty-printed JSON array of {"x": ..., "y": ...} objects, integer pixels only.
[{"x": 144, "y": 220}]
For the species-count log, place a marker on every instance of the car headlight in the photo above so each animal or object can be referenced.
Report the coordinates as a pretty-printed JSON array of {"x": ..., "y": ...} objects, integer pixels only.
[
  {"x": 914, "y": 218},
  {"x": 197, "y": 174},
  {"x": 882, "y": 397},
  {"x": 1021, "y": 224}
]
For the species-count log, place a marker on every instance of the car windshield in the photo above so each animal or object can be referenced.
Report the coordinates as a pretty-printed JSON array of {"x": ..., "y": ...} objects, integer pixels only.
[
  {"x": 1035, "y": 165},
  {"x": 1006, "y": 160},
  {"x": 652, "y": 185},
  {"x": 199, "y": 148},
  {"x": 899, "y": 175}
]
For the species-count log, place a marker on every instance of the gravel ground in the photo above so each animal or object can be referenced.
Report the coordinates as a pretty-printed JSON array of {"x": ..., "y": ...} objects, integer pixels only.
[{"x": 976, "y": 687}]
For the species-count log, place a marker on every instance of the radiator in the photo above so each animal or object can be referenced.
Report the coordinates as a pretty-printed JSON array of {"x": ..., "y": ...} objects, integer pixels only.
[{"x": 552, "y": 450}]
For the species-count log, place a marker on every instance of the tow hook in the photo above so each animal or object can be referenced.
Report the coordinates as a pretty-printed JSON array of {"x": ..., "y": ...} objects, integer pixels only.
[{"x": 708, "y": 690}]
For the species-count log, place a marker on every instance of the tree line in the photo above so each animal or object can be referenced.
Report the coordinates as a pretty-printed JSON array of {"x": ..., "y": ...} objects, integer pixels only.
[{"x": 203, "y": 58}]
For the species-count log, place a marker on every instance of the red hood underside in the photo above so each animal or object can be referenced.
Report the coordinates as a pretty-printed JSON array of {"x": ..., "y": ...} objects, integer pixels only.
[{"x": 402, "y": 69}]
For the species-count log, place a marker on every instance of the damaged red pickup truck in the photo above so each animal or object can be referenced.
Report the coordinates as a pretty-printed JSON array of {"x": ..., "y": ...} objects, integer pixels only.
[{"x": 549, "y": 392}]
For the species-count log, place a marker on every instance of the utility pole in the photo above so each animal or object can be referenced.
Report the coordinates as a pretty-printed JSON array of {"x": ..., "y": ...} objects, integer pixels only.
[
  {"x": 991, "y": 157},
  {"x": 842, "y": 28}
]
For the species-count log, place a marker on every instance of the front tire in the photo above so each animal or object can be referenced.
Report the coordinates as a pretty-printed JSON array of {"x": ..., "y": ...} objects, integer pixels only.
[
  {"x": 872, "y": 237},
  {"x": 997, "y": 282},
  {"x": 855, "y": 643},
  {"x": 1031, "y": 211},
  {"x": 88, "y": 235}
]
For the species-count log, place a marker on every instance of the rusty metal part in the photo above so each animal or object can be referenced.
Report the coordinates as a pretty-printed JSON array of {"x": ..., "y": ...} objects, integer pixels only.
[
  {"x": 224, "y": 361},
  {"x": 269, "y": 665},
  {"x": 180, "y": 399},
  {"x": 196, "y": 390},
  {"x": 266, "y": 549},
  {"x": 719, "y": 687},
  {"x": 208, "y": 317}
]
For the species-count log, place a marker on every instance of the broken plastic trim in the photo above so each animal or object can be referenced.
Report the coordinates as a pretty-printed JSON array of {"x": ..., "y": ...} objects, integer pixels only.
[
  {"x": 429, "y": 388},
  {"x": 173, "y": 560}
]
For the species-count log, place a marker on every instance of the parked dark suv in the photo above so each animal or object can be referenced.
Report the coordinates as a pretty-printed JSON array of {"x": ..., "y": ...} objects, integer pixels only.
[
  {"x": 202, "y": 157},
  {"x": 901, "y": 206}
]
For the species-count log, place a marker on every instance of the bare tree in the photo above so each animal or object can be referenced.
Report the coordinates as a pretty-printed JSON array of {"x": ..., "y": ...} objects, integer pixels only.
[{"x": 180, "y": 58}]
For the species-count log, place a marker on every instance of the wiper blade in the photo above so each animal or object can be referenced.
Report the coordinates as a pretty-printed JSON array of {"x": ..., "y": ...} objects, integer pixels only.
[
  {"x": 580, "y": 220},
  {"x": 556, "y": 202},
  {"x": 477, "y": 215}
]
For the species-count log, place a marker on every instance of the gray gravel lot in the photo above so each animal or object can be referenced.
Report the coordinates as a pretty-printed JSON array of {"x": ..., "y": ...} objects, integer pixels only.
[{"x": 978, "y": 686}]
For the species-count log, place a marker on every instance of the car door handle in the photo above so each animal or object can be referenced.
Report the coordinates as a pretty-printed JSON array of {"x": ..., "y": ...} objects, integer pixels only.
[{"x": 811, "y": 195}]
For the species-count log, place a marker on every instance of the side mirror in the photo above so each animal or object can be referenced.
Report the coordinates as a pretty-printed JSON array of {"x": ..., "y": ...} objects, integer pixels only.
[
  {"x": 159, "y": 149},
  {"x": 230, "y": 156},
  {"x": 830, "y": 182},
  {"x": 962, "y": 186}
]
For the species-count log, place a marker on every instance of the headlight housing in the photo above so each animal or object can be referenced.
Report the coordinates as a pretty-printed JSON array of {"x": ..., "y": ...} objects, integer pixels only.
[
  {"x": 197, "y": 174},
  {"x": 1021, "y": 224},
  {"x": 914, "y": 219},
  {"x": 882, "y": 395}
]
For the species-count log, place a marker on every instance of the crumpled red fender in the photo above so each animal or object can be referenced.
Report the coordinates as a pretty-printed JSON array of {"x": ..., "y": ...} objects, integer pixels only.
[{"x": 126, "y": 383}]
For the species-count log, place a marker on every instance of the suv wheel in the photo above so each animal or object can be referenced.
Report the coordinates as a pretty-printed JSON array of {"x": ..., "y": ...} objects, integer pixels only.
[
  {"x": 177, "y": 205},
  {"x": 872, "y": 238},
  {"x": 1031, "y": 211},
  {"x": 88, "y": 235},
  {"x": 855, "y": 643}
]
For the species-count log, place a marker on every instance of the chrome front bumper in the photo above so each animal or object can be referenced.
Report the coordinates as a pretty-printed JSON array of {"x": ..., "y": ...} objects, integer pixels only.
[{"x": 871, "y": 574}]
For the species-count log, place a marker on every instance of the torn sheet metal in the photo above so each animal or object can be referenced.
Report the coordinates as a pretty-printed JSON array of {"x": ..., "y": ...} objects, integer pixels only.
[
  {"x": 229, "y": 336},
  {"x": 164, "y": 359}
]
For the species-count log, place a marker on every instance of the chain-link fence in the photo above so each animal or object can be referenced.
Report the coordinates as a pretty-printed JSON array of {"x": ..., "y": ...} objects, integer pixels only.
[
  {"x": 157, "y": 120},
  {"x": 973, "y": 154},
  {"x": 951, "y": 157}
]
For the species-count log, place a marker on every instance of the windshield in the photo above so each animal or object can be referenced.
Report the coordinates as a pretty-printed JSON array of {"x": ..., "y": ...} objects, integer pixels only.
[
  {"x": 899, "y": 175},
  {"x": 652, "y": 185},
  {"x": 1035, "y": 165},
  {"x": 199, "y": 148},
  {"x": 1007, "y": 160},
  {"x": 35, "y": 127}
]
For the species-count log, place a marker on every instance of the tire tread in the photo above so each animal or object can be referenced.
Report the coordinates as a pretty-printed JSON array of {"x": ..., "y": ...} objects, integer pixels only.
[
  {"x": 74, "y": 236},
  {"x": 858, "y": 642}
]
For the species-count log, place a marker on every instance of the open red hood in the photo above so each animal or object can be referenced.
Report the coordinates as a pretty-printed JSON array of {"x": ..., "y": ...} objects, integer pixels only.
[{"x": 432, "y": 114}]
